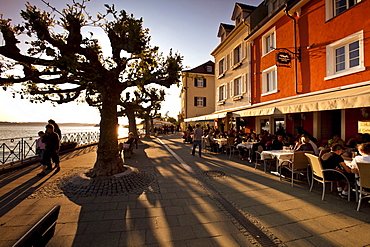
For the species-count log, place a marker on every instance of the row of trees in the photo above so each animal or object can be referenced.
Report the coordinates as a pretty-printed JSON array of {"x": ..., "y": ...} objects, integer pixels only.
[{"x": 62, "y": 65}]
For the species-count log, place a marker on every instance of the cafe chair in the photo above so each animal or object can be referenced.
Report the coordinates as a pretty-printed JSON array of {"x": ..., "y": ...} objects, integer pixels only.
[
  {"x": 231, "y": 147},
  {"x": 297, "y": 165},
  {"x": 207, "y": 145},
  {"x": 267, "y": 158},
  {"x": 364, "y": 172},
  {"x": 319, "y": 176},
  {"x": 324, "y": 151}
]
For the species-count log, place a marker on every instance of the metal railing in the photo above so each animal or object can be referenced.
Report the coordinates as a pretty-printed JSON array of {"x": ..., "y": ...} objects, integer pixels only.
[{"x": 16, "y": 150}]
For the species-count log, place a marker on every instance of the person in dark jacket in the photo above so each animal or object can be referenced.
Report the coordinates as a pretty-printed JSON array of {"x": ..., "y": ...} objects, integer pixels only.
[
  {"x": 51, "y": 152},
  {"x": 56, "y": 128},
  {"x": 334, "y": 160}
]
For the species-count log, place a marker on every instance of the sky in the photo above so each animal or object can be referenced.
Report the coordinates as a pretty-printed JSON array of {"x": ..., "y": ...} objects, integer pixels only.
[{"x": 189, "y": 27}]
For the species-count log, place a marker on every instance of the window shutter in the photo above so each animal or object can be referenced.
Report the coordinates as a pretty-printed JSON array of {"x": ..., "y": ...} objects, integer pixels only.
[
  {"x": 195, "y": 82},
  {"x": 231, "y": 88},
  {"x": 204, "y": 82},
  {"x": 244, "y": 83},
  {"x": 204, "y": 101},
  {"x": 231, "y": 58},
  {"x": 244, "y": 49},
  {"x": 195, "y": 101},
  {"x": 226, "y": 87}
]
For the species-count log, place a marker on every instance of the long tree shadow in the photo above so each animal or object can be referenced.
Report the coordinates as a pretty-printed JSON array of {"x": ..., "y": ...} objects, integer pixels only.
[
  {"x": 260, "y": 195},
  {"x": 170, "y": 211},
  {"x": 11, "y": 198}
]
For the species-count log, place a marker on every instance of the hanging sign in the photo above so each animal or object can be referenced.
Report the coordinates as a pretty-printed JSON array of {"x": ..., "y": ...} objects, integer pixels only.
[
  {"x": 363, "y": 127},
  {"x": 283, "y": 58}
]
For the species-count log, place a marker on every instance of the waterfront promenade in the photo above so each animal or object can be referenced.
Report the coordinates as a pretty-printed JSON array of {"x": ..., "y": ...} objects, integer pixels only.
[{"x": 180, "y": 200}]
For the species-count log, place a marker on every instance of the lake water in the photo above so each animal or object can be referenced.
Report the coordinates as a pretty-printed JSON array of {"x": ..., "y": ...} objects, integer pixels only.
[{"x": 8, "y": 131}]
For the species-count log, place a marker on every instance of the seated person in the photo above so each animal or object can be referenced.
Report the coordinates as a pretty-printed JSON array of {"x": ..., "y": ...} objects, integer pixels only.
[
  {"x": 237, "y": 139},
  {"x": 212, "y": 142},
  {"x": 364, "y": 150},
  {"x": 278, "y": 143},
  {"x": 131, "y": 140},
  {"x": 334, "y": 160},
  {"x": 304, "y": 144},
  {"x": 336, "y": 140},
  {"x": 353, "y": 142},
  {"x": 253, "y": 138}
]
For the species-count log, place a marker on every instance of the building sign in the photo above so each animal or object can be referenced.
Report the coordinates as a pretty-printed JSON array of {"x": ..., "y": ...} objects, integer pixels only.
[
  {"x": 283, "y": 58},
  {"x": 364, "y": 126}
]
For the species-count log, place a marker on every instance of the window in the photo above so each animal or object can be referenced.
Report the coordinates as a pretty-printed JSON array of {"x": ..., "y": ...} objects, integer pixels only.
[
  {"x": 237, "y": 86},
  {"x": 221, "y": 93},
  {"x": 269, "y": 80},
  {"x": 200, "y": 101},
  {"x": 237, "y": 55},
  {"x": 200, "y": 82},
  {"x": 336, "y": 7},
  {"x": 345, "y": 56},
  {"x": 209, "y": 69},
  {"x": 221, "y": 66},
  {"x": 269, "y": 42}
]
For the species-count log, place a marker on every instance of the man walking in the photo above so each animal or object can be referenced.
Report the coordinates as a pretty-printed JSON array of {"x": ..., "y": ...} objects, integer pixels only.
[
  {"x": 198, "y": 133},
  {"x": 52, "y": 144}
]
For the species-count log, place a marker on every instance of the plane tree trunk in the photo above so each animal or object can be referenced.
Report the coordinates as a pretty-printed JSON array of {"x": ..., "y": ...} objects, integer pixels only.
[{"x": 108, "y": 161}]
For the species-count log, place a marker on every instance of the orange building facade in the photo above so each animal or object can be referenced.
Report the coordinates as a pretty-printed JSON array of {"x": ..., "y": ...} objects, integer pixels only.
[{"x": 306, "y": 64}]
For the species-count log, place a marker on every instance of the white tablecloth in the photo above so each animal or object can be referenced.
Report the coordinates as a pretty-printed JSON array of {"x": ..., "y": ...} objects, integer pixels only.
[
  {"x": 280, "y": 155},
  {"x": 221, "y": 142},
  {"x": 245, "y": 145}
]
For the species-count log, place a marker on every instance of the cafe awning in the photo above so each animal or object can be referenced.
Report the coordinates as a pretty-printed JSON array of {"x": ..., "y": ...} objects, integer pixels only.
[
  {"x": 206, "y": 117},
  {"x": 342, "y": 98}
]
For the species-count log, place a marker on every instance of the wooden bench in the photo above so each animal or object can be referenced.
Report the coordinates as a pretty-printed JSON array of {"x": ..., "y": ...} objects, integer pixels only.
[{"x": 40, "y": 233}]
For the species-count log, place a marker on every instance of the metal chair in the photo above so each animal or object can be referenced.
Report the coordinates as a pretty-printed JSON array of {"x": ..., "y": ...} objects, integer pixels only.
[
  {"x": 298, "y": 165},
  {"x": 364, "y": 172},
  {"x": 266, "y": 158},
  {"x": 319, "y": 175},
  {"x": 231, "y": 147}
]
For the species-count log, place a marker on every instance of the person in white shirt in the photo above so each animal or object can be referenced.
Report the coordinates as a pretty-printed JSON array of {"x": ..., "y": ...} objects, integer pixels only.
[
  {"x": 364, "y": 150},
  {"x": 198, "y": 133}
]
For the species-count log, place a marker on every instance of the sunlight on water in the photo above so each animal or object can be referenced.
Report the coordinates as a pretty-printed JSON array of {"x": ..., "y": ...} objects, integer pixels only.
[{"x": 122, "y": 132}]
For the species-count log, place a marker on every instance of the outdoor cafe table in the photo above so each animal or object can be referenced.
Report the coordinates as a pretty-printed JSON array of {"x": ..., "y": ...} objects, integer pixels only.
[
  {"x": 247, "y": 145},
  {"x": 221, "y": 142},
  {"x": 280, "y": 155}
]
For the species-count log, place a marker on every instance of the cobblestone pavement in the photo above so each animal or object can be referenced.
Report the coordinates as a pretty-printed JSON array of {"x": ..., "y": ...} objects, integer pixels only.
[{"x": 170, "y": 198}]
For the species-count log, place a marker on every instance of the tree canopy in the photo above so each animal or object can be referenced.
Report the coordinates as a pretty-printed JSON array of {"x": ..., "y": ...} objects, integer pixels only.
[{"x": 63, "y": 64}]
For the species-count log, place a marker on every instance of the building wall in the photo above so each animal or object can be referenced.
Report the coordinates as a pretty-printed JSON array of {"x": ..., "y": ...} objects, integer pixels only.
[
  {"x": 224, "y": 51},
  {"x": 315, "y": 33},
  {"x": 191, "y": 91}
]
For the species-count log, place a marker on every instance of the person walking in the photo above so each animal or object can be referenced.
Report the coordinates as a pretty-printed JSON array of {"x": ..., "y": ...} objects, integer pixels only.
[
  {"x": 56, "y": 128},
  {"x": 198, "y": 133},
  {"x": 52, "y": 145}
]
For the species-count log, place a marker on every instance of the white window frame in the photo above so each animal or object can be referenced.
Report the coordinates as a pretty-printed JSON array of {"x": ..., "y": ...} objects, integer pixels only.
[
  {"x": 269, "y": 80},
  {"x": 221, "y": 92},
  {"x": 331, "y": 56},
  {"x": 200, "y": 82},
  {"x": 200, "y": 101},
  {"x": 271, "y": 35},
  {"x": 237, "y": 86},
  {"x": 237, "y": 54},
  {"x": 221, "y": 66},
  {"x": 330, "y": 8}
]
